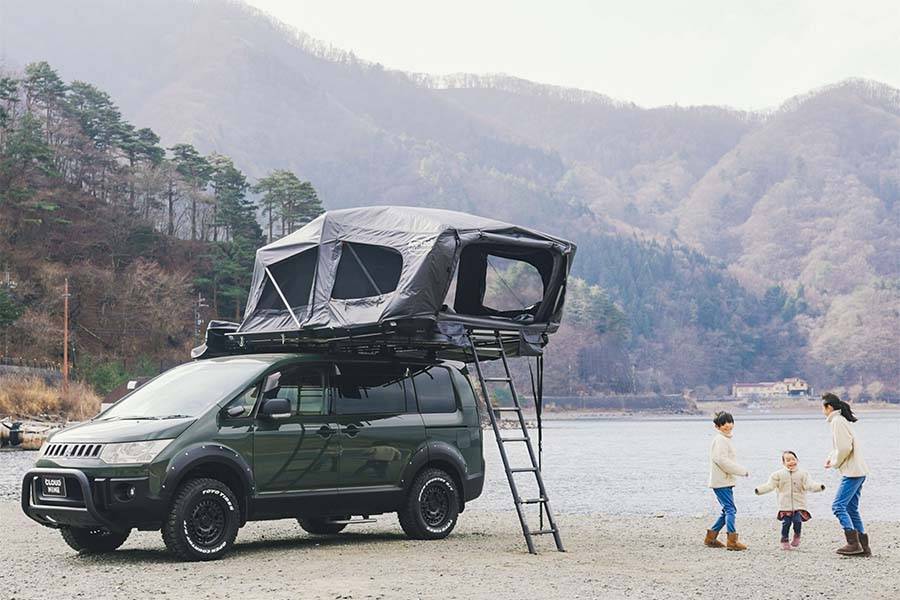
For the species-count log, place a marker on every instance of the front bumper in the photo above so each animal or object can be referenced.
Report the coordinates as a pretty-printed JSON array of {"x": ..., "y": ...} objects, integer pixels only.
[{"x": 115, "y": 503}]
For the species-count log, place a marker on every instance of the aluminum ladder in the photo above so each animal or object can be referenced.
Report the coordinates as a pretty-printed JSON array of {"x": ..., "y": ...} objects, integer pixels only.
[{"x": 495, "y": 340}]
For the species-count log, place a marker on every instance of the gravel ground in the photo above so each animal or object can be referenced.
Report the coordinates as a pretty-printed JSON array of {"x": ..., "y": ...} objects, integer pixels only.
[{"x": 629, "y": 557}]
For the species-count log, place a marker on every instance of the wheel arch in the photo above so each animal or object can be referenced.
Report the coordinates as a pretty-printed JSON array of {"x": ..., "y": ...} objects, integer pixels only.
[
  {"x": 216, "y": 461},
  {"x": 439, "y": 455}
]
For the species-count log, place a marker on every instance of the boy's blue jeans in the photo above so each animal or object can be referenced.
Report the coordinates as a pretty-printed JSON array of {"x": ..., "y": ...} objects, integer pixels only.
[
  {"x": 796, "y": 520},
  {"x": 725, "y": 496},
  {"x": 846, "y": 503}
]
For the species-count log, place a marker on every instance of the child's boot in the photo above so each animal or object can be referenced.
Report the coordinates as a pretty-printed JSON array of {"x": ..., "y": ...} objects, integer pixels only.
[
  {"x": 796, "y": 541},
  {"x": 785, "y": 545},
  {"x": 864, "y": 542},
  {"x": 712, "y": 539},
  {"x": 853, "y": 547},
  {"x": 733, "y": 543}
]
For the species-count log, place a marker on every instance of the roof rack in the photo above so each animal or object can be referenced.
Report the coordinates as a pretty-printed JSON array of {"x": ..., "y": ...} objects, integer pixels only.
[{"x": 448, "y": 341}]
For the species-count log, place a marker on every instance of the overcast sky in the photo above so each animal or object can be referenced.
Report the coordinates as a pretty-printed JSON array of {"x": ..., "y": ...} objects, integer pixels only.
[{"x": 741, "y": 53}]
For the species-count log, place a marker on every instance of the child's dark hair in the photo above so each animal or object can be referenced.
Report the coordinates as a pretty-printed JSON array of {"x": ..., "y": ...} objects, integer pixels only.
[
  {"x": 791, "y": 452},
  {"x": 722, "y": 417},
  {"x": 836, "y": 403}
]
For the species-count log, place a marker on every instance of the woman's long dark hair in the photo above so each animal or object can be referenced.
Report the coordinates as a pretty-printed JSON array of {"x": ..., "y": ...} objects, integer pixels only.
[{"x": 836, "y": 403}]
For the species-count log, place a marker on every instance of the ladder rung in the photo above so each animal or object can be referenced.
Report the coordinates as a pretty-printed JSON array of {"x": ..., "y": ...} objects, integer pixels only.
[
  {"x": 515, "y": 439},
  {"x": 524, "y": 470},
  {"x": 497, "y": 379},
  {"x": 507, "y": 408},
  {"x": 543, "y": 532},
  {"x": 532, "y": 500}
]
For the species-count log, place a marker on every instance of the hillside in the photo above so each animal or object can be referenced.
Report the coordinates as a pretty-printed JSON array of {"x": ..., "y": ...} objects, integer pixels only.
[{"x": 730, "y": 185}]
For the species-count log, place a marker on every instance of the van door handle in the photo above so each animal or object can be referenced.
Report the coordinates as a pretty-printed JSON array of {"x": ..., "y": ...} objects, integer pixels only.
[
  {"x": 351, "y": 430},
  {"x": 326, "y": 432}
]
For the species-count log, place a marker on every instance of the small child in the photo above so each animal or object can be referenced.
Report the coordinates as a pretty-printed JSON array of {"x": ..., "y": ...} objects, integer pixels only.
[
  {"x": 722, "y": 472},
  {"x": 791, "y": 485}
]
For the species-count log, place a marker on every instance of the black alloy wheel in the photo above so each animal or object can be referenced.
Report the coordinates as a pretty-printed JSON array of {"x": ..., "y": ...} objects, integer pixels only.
[
  {"x": 432, "y": 506},
  {"x": 203, "y": 520}
]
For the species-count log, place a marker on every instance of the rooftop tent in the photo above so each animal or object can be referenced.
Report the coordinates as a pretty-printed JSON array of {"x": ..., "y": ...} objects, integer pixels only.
[{"x": 423, "y": 274}]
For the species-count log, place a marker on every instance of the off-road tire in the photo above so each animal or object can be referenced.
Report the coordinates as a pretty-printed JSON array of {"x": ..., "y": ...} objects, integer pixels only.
[
  {"x": 321, "y": 526},
  {"x": 93, "y": 541},
  {"x": 431, "y": 507},
  {"x": 203, "y": 520}
]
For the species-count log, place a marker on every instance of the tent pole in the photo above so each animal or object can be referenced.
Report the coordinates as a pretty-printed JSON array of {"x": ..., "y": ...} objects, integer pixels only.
[{"x": 283, "y": 299}]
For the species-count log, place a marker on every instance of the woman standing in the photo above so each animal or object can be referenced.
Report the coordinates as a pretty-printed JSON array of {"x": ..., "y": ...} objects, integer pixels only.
[{"x": 846, "y": 458}]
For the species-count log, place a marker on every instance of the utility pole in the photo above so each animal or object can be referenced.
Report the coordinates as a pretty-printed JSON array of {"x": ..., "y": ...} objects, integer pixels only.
[
  {"x": 65, "y": 365},
  {"x": 10, "y": 285},
  {"x": 198, "y": 320}
]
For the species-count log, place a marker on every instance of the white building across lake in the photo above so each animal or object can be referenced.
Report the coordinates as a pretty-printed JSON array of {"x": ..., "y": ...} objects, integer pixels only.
[{"x": 792, "y": 386}]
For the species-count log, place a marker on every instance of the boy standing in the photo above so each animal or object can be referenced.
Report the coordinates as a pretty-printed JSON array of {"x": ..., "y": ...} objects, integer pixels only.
[{"x": 722, "y": 472}]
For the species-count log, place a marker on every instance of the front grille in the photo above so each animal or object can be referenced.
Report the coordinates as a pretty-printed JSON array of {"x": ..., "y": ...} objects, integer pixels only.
[{"x": 73, "y": 450}]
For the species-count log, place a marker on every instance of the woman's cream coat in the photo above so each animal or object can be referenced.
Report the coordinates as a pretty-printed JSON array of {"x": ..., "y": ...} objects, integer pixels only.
[
  {"x": 722, "y": 466},
  {"x": 791, "y": 487},
  {"x": 846, "y": 456}
]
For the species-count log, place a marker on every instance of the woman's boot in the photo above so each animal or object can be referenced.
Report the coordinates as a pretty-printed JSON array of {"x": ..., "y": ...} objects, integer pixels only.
[
  {"x": 853, "y": 547},
  {"x": 864, "y": 542},
  {"x": 733, "y": 543},
  {"x": 712, "y": 539}
]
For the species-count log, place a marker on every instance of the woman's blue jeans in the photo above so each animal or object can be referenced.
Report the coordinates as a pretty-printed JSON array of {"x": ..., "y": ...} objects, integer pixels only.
[
  {"x": 846, "y": 503},
  {"x": 725, "y": 496}
]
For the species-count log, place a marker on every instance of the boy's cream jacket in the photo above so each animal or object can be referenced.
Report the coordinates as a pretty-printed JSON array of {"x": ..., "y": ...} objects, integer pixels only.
[
  {"x": 845, "y": 457},
  {"x": 722, "y": 466},
  {"x": 791, "y": 487}
]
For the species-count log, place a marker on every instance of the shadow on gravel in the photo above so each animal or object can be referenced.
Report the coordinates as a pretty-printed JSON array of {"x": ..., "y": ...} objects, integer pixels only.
[{"x": 250, "y": 548}]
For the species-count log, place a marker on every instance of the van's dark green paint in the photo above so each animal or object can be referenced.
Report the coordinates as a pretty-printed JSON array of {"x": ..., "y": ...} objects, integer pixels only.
[{"x": 307, "y": 465}]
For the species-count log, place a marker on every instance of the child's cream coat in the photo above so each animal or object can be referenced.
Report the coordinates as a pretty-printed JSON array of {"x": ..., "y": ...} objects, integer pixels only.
[{"x": 791, "y": 487}]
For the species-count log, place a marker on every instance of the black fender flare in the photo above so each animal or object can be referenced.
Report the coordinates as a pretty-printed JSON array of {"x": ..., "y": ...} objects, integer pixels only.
[
  {"x": 209, "y": 453},
  {"x": 434, "y": 451}
]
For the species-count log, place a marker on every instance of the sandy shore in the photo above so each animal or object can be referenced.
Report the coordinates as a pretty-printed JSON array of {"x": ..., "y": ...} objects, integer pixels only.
[{"x": 632, "y": 557}]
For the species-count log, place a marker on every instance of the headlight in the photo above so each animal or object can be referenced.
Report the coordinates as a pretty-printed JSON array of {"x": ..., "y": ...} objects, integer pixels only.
[{"x": 132, "y": 452}]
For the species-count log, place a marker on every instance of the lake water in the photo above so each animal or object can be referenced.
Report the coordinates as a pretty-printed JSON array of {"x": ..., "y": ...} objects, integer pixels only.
[{"x": 648, "y": 467}]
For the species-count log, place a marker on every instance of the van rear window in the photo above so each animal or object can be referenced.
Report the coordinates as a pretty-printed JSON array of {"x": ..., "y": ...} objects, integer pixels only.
[{"x": 435, "y": 391}]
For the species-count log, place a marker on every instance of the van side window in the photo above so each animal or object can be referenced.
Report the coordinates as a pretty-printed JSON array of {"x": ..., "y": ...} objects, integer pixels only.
[
  {"x": 369, "y": 390},
  {"x": 434, "y": 391},
  {"x": 304, "y": 388},
  {"x": 246, "y": 400}
]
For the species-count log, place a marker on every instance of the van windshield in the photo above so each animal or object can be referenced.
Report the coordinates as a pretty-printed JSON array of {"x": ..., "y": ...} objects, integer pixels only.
[{"x": 186, "y": 391}]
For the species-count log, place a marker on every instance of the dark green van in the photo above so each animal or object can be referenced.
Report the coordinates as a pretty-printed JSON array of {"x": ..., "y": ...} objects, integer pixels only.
[{"x": 207, "y": 446}]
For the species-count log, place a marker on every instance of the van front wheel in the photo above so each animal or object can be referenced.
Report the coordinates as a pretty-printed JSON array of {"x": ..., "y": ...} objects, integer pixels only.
[
  {"x": 432, "y": 506},
  {"x": 203, "y": 520},
  {"x": 93, "y": 541}
]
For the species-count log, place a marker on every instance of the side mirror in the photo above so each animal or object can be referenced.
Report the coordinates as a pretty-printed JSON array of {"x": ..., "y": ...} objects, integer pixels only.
[
  {"x": 234, "y": 411},
  {"x": 275, "y": 408}
]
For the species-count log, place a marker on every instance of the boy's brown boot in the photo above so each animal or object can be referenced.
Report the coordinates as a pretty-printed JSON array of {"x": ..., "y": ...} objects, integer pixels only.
[
  {"x": 853, "y": 547},
  {"x": 864, "y": 542},
  {"x": 733, "y": 543},
  {"x": 712, "y": 539}
]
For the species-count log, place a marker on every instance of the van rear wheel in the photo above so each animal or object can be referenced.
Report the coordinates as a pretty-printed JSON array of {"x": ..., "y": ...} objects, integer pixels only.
[
  {"x": 432, "y": 506},
  {"x": 93, "y": 541},
  {"x": 322, "y": 526},
  {"x": 203, "y": 520}
]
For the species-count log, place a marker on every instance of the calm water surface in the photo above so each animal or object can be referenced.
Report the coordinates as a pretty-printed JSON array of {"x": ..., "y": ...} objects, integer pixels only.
[{"x": 648, "y": 467}]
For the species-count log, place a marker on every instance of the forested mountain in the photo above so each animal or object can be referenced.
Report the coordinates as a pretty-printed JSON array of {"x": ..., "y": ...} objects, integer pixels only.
[{"x": 719, "y": 244}]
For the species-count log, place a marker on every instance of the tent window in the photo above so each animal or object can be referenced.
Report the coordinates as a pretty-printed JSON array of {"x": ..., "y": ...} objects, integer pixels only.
[
  {"x": 295, "y": 278},
  {"x": 365, "y": 270},
  {"x": 511, "y": 285}
]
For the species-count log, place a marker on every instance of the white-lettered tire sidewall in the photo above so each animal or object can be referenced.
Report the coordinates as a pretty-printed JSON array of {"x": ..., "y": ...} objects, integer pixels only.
[
  {"x": 186, "y": 499},
  {"x": 427, "y": 478}
]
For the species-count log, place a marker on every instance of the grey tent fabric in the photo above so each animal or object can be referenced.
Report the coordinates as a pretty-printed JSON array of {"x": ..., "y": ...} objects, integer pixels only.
[{"x": 361, "y": 268}]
